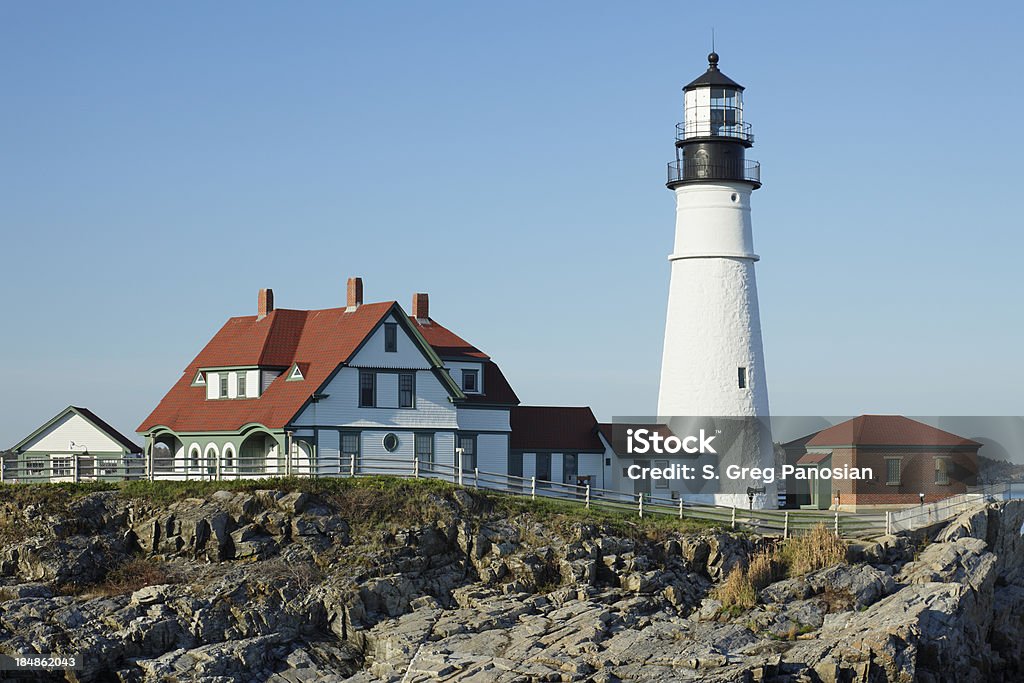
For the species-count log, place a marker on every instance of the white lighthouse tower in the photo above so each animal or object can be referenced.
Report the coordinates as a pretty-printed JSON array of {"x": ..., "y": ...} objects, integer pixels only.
[{"x": 713, "y": 363}]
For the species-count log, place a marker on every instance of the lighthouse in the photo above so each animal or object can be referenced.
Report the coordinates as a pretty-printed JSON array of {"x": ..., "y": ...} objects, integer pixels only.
[{"x": 713, "y": 362}]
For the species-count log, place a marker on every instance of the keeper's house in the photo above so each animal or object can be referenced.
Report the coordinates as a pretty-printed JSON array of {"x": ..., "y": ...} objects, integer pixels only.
[
  {"x": 76, "y": 445},
  {"x": 360, "y": 388},
  {"x": 907, "y": 458}
]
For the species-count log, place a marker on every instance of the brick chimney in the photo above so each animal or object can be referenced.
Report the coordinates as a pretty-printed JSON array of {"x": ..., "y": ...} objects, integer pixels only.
[
  {"x": 355, "y": 293},
  {"x": 266, "y": 303},
  {"x": 421, "y": 306}
]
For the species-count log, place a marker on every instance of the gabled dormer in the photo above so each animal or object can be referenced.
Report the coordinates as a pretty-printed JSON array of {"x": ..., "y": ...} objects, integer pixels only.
[{"x": 231, "y": 383}]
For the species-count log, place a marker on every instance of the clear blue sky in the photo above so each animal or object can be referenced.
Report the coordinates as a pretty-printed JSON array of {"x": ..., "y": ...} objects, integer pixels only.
[{"x": 160, "y": 162}]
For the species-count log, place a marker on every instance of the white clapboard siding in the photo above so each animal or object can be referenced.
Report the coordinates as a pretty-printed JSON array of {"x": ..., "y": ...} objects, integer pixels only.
[
  {"x": 480, "y": 420},
  {"x": 529, "y": 465},
  {"x": 375, "y": 459},
  {"x": 266, "y": 377},
  {"x": 492, "y": 453},
  {"x": 592, "y": 465},
  {"x": 341, "y": 407},
  {"x": 252, "y": 383},
  {"x": 373, "y": 355},
  {"x": 328, "y": 454},
  {"x": 387, "y": 389},
  {"x": 73, "y": 428},
  {"x": 444, "y": 450}
]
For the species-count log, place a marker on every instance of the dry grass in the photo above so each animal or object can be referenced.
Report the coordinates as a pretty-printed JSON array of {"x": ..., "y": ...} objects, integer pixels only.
[
  {"x": 763, "y": 569},
  {"x": 737, "y": 592},
  {"x": 817, "y": 549}
]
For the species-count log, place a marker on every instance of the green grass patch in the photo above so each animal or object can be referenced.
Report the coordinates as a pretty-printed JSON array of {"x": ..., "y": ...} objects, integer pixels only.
[{"x": 373, "y": 501}]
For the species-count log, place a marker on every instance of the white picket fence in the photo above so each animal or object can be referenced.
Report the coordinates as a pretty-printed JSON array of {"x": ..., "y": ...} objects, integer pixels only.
[{"x": 766, "y": 522}]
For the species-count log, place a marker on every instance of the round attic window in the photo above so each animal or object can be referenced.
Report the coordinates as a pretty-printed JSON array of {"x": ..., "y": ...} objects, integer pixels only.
[{"x": 390, "y": 443}]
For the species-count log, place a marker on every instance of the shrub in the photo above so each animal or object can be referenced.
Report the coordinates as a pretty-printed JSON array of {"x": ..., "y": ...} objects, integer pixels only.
[{"x": 137, "y": 573}]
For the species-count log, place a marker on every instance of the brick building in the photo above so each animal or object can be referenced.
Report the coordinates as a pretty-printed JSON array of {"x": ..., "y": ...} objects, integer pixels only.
[{"x": 907, "y": 458}]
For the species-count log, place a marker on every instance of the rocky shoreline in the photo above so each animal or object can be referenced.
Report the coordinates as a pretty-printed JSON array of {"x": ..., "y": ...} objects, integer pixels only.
[{"x": 294, "y": 587}]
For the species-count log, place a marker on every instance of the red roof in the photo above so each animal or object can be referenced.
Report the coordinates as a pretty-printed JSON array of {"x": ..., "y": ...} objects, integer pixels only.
[
  {"x": 319, "y": 341},
  {"x": 446, "y": 343},
  {"x": 886, "y": 430},
  {"x": 813, "y": 458},
  {"x": 450, "y": 346},
  {"x": 322, "y": 339},
  {"x": 497, "y": 390},
  {"x": 554, "y": 428}
]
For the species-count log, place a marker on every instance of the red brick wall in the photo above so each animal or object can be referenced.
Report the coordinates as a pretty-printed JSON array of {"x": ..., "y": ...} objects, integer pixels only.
[{"x": 917, "y": 475}]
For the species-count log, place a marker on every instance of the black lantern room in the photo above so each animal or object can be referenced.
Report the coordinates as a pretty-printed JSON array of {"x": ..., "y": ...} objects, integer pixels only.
[{"x": 712, "y": 140}]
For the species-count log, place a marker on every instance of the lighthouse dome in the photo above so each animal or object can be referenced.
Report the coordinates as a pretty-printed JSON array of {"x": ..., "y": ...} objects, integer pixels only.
[{"x": 713, "y": 77}]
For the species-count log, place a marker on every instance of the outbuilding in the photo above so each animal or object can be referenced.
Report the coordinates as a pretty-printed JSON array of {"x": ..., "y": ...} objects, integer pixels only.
[
  {"x": 76, "y": 445},
  {"x": 909, "y": 463}
]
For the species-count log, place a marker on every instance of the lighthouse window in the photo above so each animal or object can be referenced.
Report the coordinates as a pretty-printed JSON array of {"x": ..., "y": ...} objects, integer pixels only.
[
  {"x": 723, "y": 116},
  {"x": 742, "y": 378}
]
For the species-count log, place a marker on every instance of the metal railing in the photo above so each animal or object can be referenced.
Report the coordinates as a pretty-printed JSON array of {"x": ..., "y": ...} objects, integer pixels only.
[
  {"x": 689, "y": 130},
  {"x": 72, "y": 467},
  {"x": 699, "y": 169},
  {"x": 945, "y": 509}
]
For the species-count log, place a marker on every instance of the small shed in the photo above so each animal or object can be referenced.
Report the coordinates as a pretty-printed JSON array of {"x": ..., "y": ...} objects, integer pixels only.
[{"x": 76, "y": 445}]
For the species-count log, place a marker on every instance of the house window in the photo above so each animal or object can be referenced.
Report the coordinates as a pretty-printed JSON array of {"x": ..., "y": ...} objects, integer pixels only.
[
  {"x": 229, "y": 456},
  {"x": 742, "y": 376},
  {"x": 425, "y": 449},
  {"x": 193, "y": 456},
  {"x": 34, "y": 468},
  {"x": 241, "y": 385},
  {"x": 223, "y": 385},
  {"x": 390, "y": 442},
  {"x": 367, "y": 389},
  {"x": 61, "y": 466},
  {"x": 210, "y": 456},
  {"x": 467, "y": 442},
  {"x": 892, "y": 471},
  {"x": 941, "y": 470},
  {"x": 469, "y": 380},
  {"x": 391, "y": 337},
  {"x": 405, "y": 389},
  {"x": 570, "y": 468},
  {"x": 661, "y": 483},
  {"x": 544, "y": 469},
  {"x": 515, "y": 470},
  {"x": 349, "y": 448}
]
